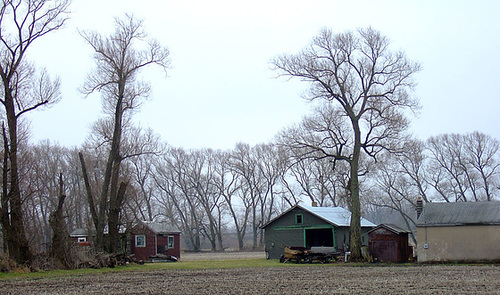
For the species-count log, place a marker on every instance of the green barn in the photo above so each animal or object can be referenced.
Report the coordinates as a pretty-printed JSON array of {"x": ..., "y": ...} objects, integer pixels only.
[{"x": 306, "y": 226}]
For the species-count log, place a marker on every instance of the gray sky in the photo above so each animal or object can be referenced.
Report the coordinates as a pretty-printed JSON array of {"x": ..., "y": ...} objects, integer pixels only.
[{"x": 220, "y": 89}]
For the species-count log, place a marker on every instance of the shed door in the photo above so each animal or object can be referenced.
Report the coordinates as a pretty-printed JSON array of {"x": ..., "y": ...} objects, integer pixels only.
[
  {"x": 385, "y": 250},
  {"x": 319, "y": 237}
]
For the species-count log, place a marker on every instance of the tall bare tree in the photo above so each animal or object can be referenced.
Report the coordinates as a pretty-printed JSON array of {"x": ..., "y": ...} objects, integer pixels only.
[
  {"x": 463, "y": 167},
  {"x": 180, "y": 206},
  {"x": 24, "y": 89},
  {"x": 229, "y": 186},
  {"x": 244, "y": 162},
  {"x": 119, "y": 58},
  {"x": 365, "y": 86},
  {"x": 483, "y": 157}
]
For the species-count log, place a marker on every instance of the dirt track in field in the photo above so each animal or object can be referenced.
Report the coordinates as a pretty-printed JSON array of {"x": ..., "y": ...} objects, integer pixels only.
[{"x": 300, "y": 279}]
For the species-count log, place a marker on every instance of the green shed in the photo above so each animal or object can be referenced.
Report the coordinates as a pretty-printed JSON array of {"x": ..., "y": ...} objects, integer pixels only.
[{"x": 306, "y": 226}]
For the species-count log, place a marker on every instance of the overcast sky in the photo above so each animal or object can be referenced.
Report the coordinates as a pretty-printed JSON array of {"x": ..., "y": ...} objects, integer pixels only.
[{"x": 221, "y": 90}]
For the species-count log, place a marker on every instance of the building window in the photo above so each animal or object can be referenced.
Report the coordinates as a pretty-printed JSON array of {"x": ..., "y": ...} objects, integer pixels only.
[
  {"x": 82, "y": 239},
  {"x": 298, "y": 219},
  {"x": 170, "y": 242},
  {"x": 140, "y": 241}
]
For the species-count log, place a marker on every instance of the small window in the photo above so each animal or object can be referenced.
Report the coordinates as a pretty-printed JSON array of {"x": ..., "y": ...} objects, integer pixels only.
[
  {"x": 140, "y": 241},
  {"x": 82, "y": 239},
  {"x": 170, "y": 242},
  {"x": 298, "y": 219}
]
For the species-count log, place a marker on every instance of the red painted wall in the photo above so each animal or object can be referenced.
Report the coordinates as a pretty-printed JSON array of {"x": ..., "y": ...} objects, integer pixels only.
[
  {"x": 153, "y": 242},
  {"x": 163, "y": 242},
  {"x": 143, "y": 253}
]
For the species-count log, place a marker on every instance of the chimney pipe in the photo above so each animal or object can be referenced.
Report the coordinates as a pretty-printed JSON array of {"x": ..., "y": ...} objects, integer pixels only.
[
  {"x": 420, "y": 206},
  {"x": 314, "y": 204}
]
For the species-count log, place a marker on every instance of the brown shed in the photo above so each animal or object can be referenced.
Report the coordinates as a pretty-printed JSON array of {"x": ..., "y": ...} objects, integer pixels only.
[{"x": 389, "y": 243}]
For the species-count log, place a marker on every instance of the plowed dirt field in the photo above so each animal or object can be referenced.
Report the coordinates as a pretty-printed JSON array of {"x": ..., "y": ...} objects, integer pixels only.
[
  {"x": 296, "y": 279},
  {"x": 302, "y": 279}
]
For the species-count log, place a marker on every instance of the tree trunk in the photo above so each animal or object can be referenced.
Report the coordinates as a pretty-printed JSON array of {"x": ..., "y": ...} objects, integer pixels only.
[
  {"x": 17, "y": 243},
  {"x": 115, "y": 207},
  {"x": 96, "y": 218},
  {"x": 4, "y": 213},
  {"x": 61, "y": 242},
  {"x": 355, "y": 226}
]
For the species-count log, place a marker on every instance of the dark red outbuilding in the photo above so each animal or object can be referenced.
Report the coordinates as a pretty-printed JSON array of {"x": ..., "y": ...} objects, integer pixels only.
[
  {"x": 389, "y": 243},
  {"x": 152, "y": 238}
]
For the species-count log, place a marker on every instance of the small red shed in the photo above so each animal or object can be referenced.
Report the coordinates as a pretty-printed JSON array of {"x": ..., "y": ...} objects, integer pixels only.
[
  {"x": 80, "y": 237},
  {"x": 152, "y": 238},
  {"x": 389, "y": 243}
]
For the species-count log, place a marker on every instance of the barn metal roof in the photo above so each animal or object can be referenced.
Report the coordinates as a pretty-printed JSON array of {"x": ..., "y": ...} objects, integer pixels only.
[
  {"x": 335, "y": 215},
  {"x": 461, "y": 213}
]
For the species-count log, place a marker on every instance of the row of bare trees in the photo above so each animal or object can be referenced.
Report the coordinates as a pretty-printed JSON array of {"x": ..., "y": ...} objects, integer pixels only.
[
  {"x": 445, "y": 168},
  {"x": 210, "y": 194},
  {"x": 352, "y": 151}
]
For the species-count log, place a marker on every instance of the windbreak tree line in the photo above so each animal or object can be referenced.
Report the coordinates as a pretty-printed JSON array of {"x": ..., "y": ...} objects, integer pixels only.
[
  {"x": 352, "y": 151},
  {"x": 208, "y": 195}
]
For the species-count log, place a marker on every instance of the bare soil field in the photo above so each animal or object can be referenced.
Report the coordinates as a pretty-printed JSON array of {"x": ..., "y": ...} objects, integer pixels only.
[{"x": 300, "y": 279}]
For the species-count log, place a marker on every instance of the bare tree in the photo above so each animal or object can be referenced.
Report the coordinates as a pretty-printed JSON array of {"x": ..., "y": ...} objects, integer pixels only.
[
  {"x": 230, "y": 188},
  {"x": 201, "y": 175},
  {"x": 21, "y": 23},
  {"x": 365, "y": 87},
  {"x": 482, "y": 155},
  {"x": 118, "y": 63},
  {"x": 463, "y": 167},
  {"x": 319, "y": 180},
  {"x": 143, "y": 203},
  {"x": 396, "y": 189},
  {"x": 272, "y": 164},
  {"x": 245, "y": 163},
  {"x": 61, "y": 242}
]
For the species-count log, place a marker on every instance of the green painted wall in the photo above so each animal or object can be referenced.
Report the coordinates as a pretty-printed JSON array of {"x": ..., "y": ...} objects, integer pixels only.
[{"x": 285, "y": 231}]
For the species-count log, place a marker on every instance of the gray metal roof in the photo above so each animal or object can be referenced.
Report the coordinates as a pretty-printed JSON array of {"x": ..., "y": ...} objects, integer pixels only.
[
  {"x": 160, "y": 227},
  {"x": 461, "y": 213},
  {"x": 79, "y": 232},
  {"x": 335, "y": 215}
]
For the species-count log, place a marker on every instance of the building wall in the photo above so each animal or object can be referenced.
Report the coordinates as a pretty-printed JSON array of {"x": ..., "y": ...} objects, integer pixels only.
[
  {"x": 162, "y": 241},
  {"x": 284, "y": 231},
  {"x": 143, "y": 253},
  {"x": 458, "y": 243},
  {"x": 388, "y": 246}
]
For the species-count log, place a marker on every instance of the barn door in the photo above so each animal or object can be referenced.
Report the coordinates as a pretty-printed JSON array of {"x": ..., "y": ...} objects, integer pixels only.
[
  {"x": 322, "y": 237},
  {"x": 385, "y": 250}
]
